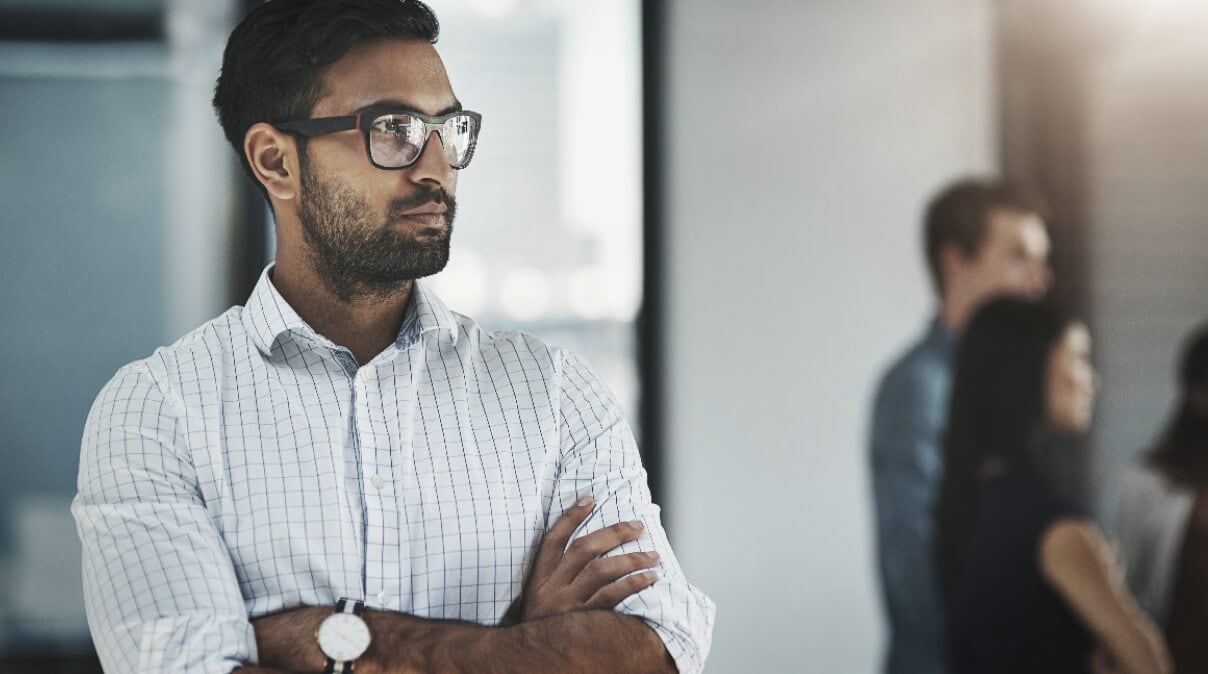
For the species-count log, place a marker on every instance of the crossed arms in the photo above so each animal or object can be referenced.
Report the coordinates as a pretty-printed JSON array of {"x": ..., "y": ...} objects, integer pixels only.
[
  {"x": 565, "y": 620},
  {"x": 176, "y": 557}
]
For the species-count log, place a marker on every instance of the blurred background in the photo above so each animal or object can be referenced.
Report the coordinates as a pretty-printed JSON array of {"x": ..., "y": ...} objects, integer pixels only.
[{"x": 718, "y": 203}]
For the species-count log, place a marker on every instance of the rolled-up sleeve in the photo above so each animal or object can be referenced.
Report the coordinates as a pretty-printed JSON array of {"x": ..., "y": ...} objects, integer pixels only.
[
  {"x": 600, "y": 458},
  {"x": 160, "y": 590}
]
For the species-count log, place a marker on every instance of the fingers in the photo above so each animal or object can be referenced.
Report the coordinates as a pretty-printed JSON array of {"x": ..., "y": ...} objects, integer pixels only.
[
  {"x": 614, "y": 593},
  {"x": 604, "y": 582},
  {"x": 588, "y": 547},
  {"x": 577, "y": 576},
  {"x": 603, "y": 570},
  {"x": 554, "y": 541}
]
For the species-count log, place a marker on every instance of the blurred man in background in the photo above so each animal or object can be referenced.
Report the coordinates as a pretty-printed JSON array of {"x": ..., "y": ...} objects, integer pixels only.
[{"x": 983, "y": 238}]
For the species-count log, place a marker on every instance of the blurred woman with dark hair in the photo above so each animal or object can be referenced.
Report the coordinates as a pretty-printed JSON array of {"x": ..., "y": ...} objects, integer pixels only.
[
  {"x": 1163, "y": 519},
  {"x": 1029, "y": 582}
]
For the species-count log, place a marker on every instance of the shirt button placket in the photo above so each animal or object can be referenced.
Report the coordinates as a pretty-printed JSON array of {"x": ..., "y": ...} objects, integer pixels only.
[{"x": 367, "y": 441}]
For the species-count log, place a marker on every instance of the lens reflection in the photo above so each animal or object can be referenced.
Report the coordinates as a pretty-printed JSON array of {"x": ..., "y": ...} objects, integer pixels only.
[{"x": 397, "y": 140}]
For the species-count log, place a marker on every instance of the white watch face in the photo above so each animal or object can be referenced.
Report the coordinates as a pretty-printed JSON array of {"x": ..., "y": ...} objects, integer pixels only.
[{"x": 343, "y": 637}]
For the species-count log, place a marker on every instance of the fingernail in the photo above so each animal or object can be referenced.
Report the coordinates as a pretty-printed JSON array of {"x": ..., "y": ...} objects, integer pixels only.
[
  {"x": 652, "y": 556},
  {"x": 636, "y": 525},
  {"x": 585, "y": 501},
  {"x": 652, "y": 576}
]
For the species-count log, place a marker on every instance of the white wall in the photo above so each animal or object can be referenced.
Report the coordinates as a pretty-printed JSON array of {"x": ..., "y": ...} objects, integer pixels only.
[
  {"x": 804, "y": 140},
  {"x": 1146, "y": 244}
]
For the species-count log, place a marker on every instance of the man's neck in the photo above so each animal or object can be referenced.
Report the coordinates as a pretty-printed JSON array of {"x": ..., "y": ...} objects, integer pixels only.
[{"x": 365, "y": 325}]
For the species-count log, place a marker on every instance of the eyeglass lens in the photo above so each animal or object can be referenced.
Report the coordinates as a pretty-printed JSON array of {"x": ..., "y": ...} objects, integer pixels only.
[{"x": 397, "y": 140}]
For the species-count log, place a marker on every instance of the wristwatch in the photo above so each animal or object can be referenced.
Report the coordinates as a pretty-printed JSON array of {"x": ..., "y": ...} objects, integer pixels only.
[{"x": 343, "y": 636}]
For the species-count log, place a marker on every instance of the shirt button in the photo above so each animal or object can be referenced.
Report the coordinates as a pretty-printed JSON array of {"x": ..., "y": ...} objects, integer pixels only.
[
  {"x": 377, "y": 482},
  {"x": 383, "y": 598}
]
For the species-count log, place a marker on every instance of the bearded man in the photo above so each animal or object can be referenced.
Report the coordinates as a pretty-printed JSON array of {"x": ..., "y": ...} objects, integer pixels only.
[{"x": 344, "y": 472}]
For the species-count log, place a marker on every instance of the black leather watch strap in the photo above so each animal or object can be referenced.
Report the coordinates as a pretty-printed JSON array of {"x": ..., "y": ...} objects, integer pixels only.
[{"x": 353, "y": 606}]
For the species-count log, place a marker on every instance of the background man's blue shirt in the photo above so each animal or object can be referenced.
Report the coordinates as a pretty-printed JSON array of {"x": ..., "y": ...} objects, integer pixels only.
[{"x": 908, "y": 421}]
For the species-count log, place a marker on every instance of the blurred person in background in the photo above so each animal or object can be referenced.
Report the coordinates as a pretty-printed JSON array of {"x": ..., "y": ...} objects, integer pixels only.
[
  {"x": 1030, "y": 582},
  {"x": 983, "y": 238},
  {"x": 344, "y": 472},
  {"x": 1163, "y": 518}
]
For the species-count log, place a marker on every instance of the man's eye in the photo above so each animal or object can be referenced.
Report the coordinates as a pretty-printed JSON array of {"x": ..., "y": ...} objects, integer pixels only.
[{"x": 393, "y": 127}]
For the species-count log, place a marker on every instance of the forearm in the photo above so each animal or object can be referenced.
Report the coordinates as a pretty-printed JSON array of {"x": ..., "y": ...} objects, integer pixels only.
[
  {"x": 1134, "y": 641},
  {"x": 1077, "y": 561},
  {"x": 1139, "y": 656},
  {"x": 1139, "y": 648},
  {"x": 580, "y": 641},
  {"x": 287, "y": 640}
]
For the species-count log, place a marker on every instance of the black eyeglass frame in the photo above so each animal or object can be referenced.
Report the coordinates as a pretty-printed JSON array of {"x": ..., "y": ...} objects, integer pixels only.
[{"x": 363, "y": 122}]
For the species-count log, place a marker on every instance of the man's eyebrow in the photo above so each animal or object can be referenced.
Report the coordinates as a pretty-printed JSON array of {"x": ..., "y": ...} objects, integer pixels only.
[{"x": 393, "y": 106}]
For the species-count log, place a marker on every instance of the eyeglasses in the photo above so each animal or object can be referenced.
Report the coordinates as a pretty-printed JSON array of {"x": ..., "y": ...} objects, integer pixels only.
[{"x": 396, "y": 140}]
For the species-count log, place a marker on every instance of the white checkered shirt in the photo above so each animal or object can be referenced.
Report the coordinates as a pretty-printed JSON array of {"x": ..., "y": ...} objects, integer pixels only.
[{"x": 253, "y": 467}]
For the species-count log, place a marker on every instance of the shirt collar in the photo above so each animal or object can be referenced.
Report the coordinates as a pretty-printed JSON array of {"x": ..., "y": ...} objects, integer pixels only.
[
  {"x": 269, "y": 319},
  {"x": 425, "y": 313}
]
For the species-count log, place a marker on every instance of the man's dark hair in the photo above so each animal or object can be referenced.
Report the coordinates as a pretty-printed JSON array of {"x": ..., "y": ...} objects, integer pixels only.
[
  {"x": 275, "y": 58},
  {"x": 1181, "y": 453},
  {"x": 998, "y": 411},
  {"x": 960, "y": 215}
]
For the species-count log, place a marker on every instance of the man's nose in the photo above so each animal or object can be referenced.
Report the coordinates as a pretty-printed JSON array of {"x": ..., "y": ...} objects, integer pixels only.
[{"x": 433, "y": 162}]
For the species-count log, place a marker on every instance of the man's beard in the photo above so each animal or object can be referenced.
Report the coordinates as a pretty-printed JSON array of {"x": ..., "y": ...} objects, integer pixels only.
[{"x": 357, "y": 258}]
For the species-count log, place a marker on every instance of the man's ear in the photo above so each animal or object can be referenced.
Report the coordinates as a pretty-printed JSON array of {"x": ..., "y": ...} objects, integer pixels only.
[{"x": 273, "y": 157}]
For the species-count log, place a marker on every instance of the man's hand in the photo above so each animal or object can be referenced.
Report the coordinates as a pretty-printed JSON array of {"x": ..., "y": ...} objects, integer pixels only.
[{"x": 577, "y": 577}]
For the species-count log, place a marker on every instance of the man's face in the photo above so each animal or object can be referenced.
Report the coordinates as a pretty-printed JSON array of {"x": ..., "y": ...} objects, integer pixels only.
[
  {"x": 369, "y": 229},
  {"x": 1013, "y": 259}
]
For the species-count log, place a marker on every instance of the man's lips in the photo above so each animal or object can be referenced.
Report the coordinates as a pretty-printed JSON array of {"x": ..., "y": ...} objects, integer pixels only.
[{"x": 433, "y": 216}]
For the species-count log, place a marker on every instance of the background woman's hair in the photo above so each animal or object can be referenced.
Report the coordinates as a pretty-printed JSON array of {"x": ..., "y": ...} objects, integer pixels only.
[
  {"x": 997, "y": 411},
  {"x": 1181, "y": 452}
]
